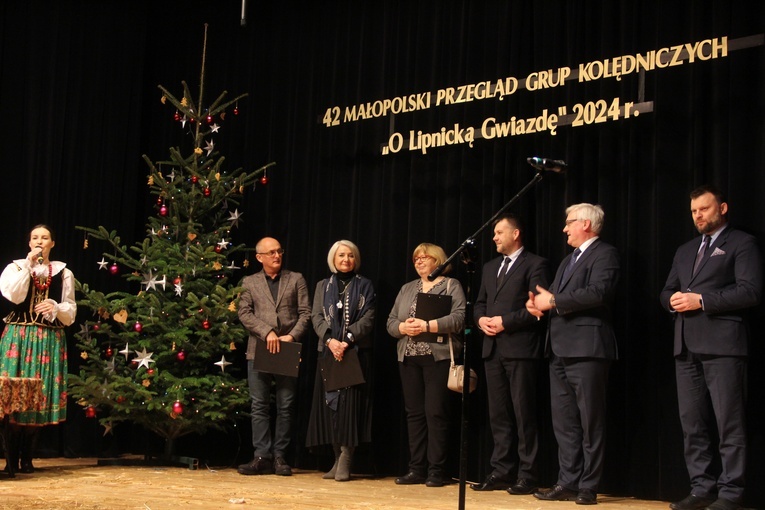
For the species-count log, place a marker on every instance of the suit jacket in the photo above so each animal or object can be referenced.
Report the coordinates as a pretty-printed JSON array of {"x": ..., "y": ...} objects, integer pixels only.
[
  {"x": 580, "y": 324},
  {"x": 729, "y": 280},
  {"x": 290, "y": 314},
  {"x": 521, "y": 337}
]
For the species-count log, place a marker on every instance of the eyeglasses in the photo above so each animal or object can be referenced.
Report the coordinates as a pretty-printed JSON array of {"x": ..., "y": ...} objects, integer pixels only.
[
  {"x": 421, "y": 258},
  {"x": 272, "y": 253},
  {"x": 569, "y": 222}
]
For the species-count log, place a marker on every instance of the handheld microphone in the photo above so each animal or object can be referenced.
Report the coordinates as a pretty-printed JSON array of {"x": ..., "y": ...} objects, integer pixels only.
[
  {"x": 40, "y": 259},
  {"x": 553, "y": 165}
]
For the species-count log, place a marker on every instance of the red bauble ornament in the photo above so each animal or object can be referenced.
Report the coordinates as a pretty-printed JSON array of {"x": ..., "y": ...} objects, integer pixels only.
[
  {"x": 264, "y": 180},
  {"x": 209, "y": 119},
  {"x": 177, "y": 407},
  {"x": 236, "y": 110},
  {"x": 177, "y": 116},
  {"x": 177, "y": 281},
  {"x": 120, "y": 399},
  {"x": 194, "y": 179},
  {"x": 206, "y": 324},
  {"x": 150, "y": 371},
  {"x": 138, "y": 327},
  {"x": 217, "y": 249},
  {"x": 207, "y": 192},
  {"x": 90, "y": 412},
  {"x": 114, "y": 268},
  {"x": 109, "y": 352},
  {"x": 159, "y": 200},
  {"x": 163, "y": 210},
  {"x": 181, "y": 355},
  {"x": 96, "y": 327}
]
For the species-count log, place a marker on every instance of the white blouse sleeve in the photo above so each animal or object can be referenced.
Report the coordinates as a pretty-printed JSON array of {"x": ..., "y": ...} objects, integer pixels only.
[
  {"x": 66, "y": 309},
  {"x": 14, "y": 281}
]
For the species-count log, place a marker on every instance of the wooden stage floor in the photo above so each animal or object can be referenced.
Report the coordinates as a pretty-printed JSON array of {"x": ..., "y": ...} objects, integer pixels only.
[{"x": 82, "y": 484}]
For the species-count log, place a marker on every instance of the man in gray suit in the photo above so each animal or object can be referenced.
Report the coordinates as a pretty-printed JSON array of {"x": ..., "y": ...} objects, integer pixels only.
[
  {"x": 581, "y": 345},
  {"x": 512, "y": 353},
  {"x": 274, "y": 307},
  {"x": 714, "y": 281}
]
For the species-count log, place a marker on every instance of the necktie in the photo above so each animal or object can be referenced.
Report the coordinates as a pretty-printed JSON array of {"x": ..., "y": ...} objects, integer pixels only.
[
  {"x": 503, "y": 270},
  {"x": 700, "y": 254},
  {"x": 571, "y": 262}
]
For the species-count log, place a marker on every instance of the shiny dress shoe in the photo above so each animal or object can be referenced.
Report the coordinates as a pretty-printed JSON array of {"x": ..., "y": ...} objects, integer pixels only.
[
  {"x": 587, "y": 497},
  {"x": 281, "y": 467},
  {"x": 692, "y": 502},
  {"x": 411, "y": 478},
  {"x": 257, "y": 466},
  {"x": 556, "y": 493},
  {"x": 523, "y": 487},
  {"x": 492, "y": 483},
  {"x": 723, "y": 504},
  {"x": 434, "y": 480}
]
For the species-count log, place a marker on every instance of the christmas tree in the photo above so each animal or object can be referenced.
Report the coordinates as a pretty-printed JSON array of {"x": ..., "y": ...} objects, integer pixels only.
[{"x": 158, "y": 354}]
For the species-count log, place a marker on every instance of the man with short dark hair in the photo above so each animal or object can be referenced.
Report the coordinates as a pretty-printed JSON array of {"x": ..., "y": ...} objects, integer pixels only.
[
  {"x": 512, "y": 352},
  {"x": 714, "y": 281}
]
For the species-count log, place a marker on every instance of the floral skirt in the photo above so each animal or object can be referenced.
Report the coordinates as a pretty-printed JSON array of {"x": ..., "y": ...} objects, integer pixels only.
[{"x": 39, "y": 352}]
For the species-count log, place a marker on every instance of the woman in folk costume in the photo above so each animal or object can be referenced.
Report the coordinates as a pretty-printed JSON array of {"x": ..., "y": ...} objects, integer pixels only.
[
  {"x": 33, "y": 343},
  {"x": 343, "y": 317}
]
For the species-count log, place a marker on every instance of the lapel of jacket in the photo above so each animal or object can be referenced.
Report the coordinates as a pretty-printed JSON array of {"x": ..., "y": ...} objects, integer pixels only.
[
  {"x": 284, "y": 277},
  {"x": 518, "y": 261},
  {"x": 261, "y": 285},
  {"x": 579, "y": 263},
  {"x": 717, "y": 243}
]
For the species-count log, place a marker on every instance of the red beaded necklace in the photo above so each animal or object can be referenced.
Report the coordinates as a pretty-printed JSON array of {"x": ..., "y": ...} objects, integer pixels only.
[{"x": 43, "y": 286}]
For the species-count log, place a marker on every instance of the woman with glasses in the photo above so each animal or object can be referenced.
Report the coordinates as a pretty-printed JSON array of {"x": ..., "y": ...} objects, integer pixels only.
[
  {"x": 343, "y": 317},
  {"x": 424, "y": 362}
]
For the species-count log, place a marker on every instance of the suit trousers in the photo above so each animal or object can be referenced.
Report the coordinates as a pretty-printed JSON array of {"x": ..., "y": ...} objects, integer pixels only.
[
  {"x": 260, "y": 384},
  {"x": 428, "y": 412},
  {"x": 512, "y": 400},
  {"x": 711, "y": 394},
  {"x": 578, "y": 388}
]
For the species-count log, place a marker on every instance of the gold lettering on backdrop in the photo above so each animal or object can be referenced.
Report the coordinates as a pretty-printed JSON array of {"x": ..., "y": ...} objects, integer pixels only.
[{"x": 592, "y": 112}]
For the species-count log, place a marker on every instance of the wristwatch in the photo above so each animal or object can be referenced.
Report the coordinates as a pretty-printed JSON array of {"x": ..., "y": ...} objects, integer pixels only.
[{"x": 552, "y": 301}]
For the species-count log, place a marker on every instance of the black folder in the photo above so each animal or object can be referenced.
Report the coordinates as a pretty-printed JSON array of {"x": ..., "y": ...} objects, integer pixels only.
[
  {"x": 285, "y": 362},
  {"x": 341, "y": 374},
  {"x": 429, "y": 307}
]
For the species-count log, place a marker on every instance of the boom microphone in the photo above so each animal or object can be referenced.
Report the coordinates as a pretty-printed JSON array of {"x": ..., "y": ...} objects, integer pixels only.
[{"x": 553, "y": 165}]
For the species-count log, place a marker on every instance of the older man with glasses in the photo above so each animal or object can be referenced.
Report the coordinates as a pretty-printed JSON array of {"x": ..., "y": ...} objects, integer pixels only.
[{"x": 274, "y": 307}]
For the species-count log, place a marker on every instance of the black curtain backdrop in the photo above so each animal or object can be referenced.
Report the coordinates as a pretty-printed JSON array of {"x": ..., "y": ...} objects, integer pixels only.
[{"x": 80, "y": 105}]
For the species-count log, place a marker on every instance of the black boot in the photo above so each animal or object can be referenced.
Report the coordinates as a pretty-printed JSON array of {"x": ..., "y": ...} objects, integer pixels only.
[
  {"x": 28, "y": 447},
  {"x": 12, "y": 440}
]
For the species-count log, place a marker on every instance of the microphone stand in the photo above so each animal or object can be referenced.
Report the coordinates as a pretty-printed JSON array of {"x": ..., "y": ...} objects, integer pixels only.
[{"x": 462, "y": 250}]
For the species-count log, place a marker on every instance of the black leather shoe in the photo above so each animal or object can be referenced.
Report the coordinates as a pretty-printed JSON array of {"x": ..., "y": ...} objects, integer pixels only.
[
  {"x": 257, "y": 466},
  {"x": 587, "y": 497},
  {"x": 692, "y": 502},
  {"x": 281, "y": 467},
  {"x": 556, "y": 493},
  {"x": 411, "y": 478},
  {"x": 723, "y": 504},
  {"x": 434, "y": 480},
  {"x": 523, "y": 487},
  {"x": 492, "y": 483}
]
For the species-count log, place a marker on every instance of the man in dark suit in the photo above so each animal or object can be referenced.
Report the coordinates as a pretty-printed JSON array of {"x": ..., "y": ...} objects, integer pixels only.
[
  {"x": 581, "y": 345},
  {"x": 714, "y": 281},
  {"x": 274, "y": 307},
  {"x": 512, "y": 350}
]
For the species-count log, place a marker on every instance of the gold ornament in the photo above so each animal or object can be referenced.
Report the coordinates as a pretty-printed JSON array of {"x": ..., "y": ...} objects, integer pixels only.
[
  {"x": 232, "y": 306},
  {"x": 232, "y": 347},
  {"x": 146, "y": 383},
  {"x": 151, "y": 180},
  {"x": 217, "y": 266},
  {"x": 192, "y": 236},
  {"x": 85, "y": 244},
  {"x": 84, "y": 355},
  {"x": 121, "y": 316},
  {"x": 163, "y": 99},
  {"x": 223, "y": 116},
  {"x": 198, "y": 151},
  {"x": 217, "y": 176},
  {"x": 184, "y": 102},
  {"x": 246, "y": 263}
]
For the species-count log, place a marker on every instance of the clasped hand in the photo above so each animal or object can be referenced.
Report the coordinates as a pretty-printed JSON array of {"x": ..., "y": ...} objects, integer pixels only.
[{"x": 412, "y": 327}]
